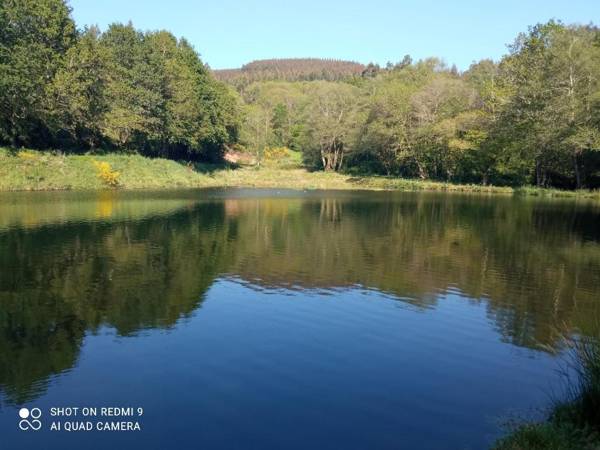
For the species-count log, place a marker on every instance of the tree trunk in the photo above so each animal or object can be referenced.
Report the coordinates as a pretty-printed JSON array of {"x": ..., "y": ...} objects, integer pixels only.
[
  {"x": 324, "y": 159},
  {"x": 334, "y": 159},
  {"x": 577, "y": 171}
]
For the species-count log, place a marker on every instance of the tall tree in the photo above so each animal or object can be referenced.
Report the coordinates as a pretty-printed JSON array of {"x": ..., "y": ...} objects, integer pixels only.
[
  {"x": 134, "y": 96},
  {"x": 575, "y": 62},
  {"x": 34, "y": 37},
  {"x": 334, "y": 112},
  {"x": 76, "y": 96},
  {"x": 553, "y": 73}
]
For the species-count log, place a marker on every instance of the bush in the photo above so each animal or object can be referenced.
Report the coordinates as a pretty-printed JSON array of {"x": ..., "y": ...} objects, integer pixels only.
[
  {"x": 275, "y": 153},
  {"x": 583, "y": 405},
  {"x": 106, "y": 174},
  {"x": 575, "y": 423},
  {"x": 281, "y": 157}
]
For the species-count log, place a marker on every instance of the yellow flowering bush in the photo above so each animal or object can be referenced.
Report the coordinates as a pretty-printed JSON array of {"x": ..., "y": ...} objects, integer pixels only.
[
  {"x": 275, "y": 153},
  {"x": 27, "y": 155},
  {"x": 107, "y": 174}
]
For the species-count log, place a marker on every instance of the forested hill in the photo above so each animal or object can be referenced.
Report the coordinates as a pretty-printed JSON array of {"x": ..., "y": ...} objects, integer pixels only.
[{"x": 291, "y": 69}]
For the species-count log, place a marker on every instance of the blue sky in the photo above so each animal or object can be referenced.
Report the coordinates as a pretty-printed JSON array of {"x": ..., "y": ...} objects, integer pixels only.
[{"x": 230, "y": 33}]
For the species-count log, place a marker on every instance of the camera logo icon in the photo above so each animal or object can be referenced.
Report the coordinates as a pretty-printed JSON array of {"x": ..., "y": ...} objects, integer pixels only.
[{"x": 30, "y": 419}]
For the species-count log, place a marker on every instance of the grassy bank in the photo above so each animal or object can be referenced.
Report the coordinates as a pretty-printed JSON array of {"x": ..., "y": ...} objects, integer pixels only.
[
  {"x": 30, "y": 170},
  {"x": 574, "y": 423}
]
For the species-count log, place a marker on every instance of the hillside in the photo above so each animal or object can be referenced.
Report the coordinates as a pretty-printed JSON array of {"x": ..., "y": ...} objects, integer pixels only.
[{"x": 290, "y": 69}]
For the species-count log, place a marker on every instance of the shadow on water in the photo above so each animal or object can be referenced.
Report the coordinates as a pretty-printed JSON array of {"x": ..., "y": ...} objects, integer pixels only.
[{"x": 71, "y": 265}]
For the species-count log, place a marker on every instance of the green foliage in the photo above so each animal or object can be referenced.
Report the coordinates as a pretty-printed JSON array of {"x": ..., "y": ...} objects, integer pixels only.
[
  {"x": 34, "y": 37},
  {"x": 551, "y": 76},
  {"x": 77, "y": 103},
  {"x": 532, "y": 118},
  {"x": 574, "y": 423},
  {"x": 29, "y": 170},
  {"x": 132, "y": 91},
  {"x": 291, "y": 69},
  {"x": 583, "y": 404},
  {"x": 545, "y": 436},
  {"x": 282, "y": 158},
  {"x": 333, "y": 119}
]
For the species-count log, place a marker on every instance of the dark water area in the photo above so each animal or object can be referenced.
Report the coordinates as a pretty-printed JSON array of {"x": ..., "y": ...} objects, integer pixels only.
[{"x": 281, "y": 319}]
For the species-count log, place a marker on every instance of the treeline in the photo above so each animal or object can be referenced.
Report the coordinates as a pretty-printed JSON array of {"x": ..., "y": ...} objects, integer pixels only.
[
  {"x": 531, "y": 118},
  {"x": 290, "y": 69},
  {"x": 121, "y": 89}
]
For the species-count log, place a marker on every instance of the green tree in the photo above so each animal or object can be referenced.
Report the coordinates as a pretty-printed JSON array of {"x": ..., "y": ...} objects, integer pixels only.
[
  {"x": 333, "y": 115},
  {"x": 281, "y": 125},
  {"x": 257, "y": 129},
  {"x": 133, "y": 91},
  {"x": 575, "y": 63},
  {"x": 34, "y": 37},
  {"x": 77, "y": 102},
  {"x": 387, "y": 139},
  {"x": 552, "y": 72}
]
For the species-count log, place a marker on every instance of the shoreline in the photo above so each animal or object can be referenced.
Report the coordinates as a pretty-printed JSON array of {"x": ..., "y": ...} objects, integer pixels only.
[{"x": 29, "y": 170}]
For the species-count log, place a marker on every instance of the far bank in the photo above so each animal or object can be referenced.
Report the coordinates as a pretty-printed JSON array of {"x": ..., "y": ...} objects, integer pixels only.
[{"x": 28, "y": 170}]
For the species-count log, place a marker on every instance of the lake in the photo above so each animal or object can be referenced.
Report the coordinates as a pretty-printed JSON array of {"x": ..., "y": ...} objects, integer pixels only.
[{"x": 275, "y": 319}]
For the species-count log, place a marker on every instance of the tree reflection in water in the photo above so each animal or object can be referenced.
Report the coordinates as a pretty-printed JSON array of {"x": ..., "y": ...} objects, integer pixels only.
[{"x": 147, "y": 263}]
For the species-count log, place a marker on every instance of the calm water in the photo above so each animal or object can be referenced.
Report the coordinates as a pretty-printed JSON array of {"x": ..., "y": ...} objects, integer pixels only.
[{"x": 283, "y": 320}]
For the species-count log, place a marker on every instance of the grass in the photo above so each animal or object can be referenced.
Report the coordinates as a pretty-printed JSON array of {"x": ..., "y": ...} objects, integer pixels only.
[
  {"x": 34, "y": 171},
  {"x": 29, "y": 170},
  {"x": 573, "y": 424},
  {"x": 546, "y": 436}
]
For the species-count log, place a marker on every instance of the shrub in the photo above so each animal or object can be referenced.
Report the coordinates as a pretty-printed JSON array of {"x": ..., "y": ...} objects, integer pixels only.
[
  {"x": 105, "y": 172},
  {"x": 27, "y": 155},
  {"x": 583, "y": 404},
  {"x": 573, "y": 424},
  {"x": 275, "y": 153}
]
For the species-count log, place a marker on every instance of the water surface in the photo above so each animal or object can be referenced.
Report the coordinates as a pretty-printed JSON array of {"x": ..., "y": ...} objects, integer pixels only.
[{"x": 281, "y": 319}]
